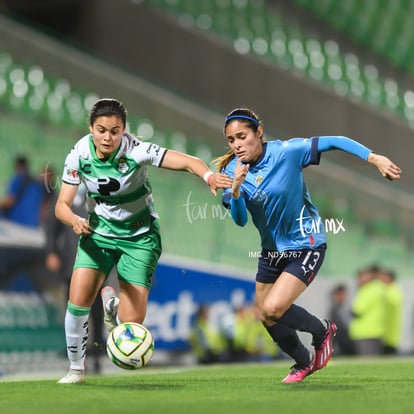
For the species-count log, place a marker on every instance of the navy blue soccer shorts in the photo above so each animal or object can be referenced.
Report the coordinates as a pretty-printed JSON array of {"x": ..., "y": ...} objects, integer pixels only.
[{"x": 304, "y": 264}]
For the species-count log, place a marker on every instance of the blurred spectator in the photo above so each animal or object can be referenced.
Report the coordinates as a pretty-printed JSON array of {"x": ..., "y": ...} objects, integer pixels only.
[
  {"x": 245, "y": 337},
  {"x": 340, "y": 313},
  {"x": 235, "y": 330},
  {"x": 393, "y": 311},
  {"x": 367, "y": 327},
  {"x": 239, "y": 337},
  {"x": 206, "y": 342},
  {"x": 25, "y": 196},
  {"x": 60, "y": 251},
  {"x": 21, "y": 267},
  {"x": 259, "y": 344}
]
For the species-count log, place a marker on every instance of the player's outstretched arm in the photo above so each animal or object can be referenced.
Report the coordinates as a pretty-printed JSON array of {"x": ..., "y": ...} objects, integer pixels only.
[
  {"x": 385, "y": 166},
  {"x": 175, "y": 160}
]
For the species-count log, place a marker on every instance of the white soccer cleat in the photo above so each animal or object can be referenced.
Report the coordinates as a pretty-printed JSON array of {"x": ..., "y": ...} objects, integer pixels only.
[
  {"x": 74, "y": 376},
  {"x": 110, "y": 306}
]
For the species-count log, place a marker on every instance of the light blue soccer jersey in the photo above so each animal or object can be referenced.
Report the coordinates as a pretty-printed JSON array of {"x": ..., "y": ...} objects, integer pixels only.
[{"x": 277, "y": 196}]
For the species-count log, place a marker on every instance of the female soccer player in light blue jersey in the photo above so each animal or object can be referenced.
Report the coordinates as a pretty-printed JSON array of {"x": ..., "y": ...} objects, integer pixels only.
[
  {"x": 122, "y": 230},
  {"x": 268, "y": 183}
]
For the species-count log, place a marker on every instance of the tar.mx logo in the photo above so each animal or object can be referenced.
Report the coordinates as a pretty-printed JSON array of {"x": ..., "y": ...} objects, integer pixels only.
[
  {"x": 309, "y": 225},
  {"x": 203, "y": 211}
]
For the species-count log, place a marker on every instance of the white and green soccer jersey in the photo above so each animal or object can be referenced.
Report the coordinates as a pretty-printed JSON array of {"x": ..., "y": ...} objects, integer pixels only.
[{"x": 120, "y": 200}]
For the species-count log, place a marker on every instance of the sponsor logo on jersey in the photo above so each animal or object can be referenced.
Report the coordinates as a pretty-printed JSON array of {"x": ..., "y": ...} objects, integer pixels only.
[{"x": 72, "y": 172}]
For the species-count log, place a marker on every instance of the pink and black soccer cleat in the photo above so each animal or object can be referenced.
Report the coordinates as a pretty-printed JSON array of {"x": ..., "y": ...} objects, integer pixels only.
[
  {"x": 324, "y": 352},
  {"x": 298, "y": 373}
]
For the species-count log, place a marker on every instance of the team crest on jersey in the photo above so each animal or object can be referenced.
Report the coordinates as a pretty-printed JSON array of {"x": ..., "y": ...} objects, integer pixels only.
[
  {"x": 123, "y": 165},
  {"x": 259, "y": 180},
  {"x": 259, "y": 197}
]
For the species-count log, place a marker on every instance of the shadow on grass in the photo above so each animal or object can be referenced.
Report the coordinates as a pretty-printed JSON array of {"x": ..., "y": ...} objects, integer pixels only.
[
  {"x": 141, "y": 386},
  {"x": 318, "y": 387}
]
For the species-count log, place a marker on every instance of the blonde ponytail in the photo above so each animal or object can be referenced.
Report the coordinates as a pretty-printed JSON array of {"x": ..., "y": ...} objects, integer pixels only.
[{"x": 223, "y": 161}]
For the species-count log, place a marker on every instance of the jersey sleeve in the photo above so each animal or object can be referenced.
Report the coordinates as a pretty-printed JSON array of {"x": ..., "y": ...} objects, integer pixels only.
[
  {"x": 345, "y": 144},
  {"x": 304, "y": 148},
  {"x": 149, "y": 153},
  {"x": 71, "y": 168},
  {"x": 237, "y": 207},
  {"x": 238, "y": 210},
  {"x": 225, "y": 198}
]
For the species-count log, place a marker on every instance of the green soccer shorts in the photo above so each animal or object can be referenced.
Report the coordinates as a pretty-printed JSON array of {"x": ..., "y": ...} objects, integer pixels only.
[{"x": 135, "y": 258}]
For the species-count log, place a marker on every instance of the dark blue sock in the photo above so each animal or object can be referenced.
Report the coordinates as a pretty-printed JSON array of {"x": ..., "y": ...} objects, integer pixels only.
[
  {"x": 288, "y": 341},
  {"x": 300, "y": 319}
]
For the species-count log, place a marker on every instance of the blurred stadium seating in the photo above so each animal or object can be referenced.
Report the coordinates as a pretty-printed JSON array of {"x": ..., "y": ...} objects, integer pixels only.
[
  {"x": 256, "y": 28},
  {"x": 385, "y": 26}
]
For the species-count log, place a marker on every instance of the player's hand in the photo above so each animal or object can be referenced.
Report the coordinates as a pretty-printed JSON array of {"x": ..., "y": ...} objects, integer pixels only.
[
  {"x": 240, "y": 173},
  {"x": 219, "y": 181},
  {"x": 81, "y": 226},
  {"x": 385, "y": 166}
]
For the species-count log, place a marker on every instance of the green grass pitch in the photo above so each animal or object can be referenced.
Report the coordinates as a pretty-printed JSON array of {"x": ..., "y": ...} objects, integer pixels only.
[{"x": 350, "y": 386}]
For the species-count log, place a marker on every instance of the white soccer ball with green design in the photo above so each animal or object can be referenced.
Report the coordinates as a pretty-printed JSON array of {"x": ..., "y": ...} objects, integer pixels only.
[{"x": 130, "y": 345}]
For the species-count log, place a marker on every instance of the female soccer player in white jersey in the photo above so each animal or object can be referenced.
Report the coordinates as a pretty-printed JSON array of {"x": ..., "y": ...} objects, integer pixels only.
[
  {"x": 268, "y": 182},
  {"x": 122, "y": 229}
]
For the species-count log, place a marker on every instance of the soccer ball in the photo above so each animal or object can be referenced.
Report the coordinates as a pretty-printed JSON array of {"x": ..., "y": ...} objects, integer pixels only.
[{"x": 130, "y": 345}]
